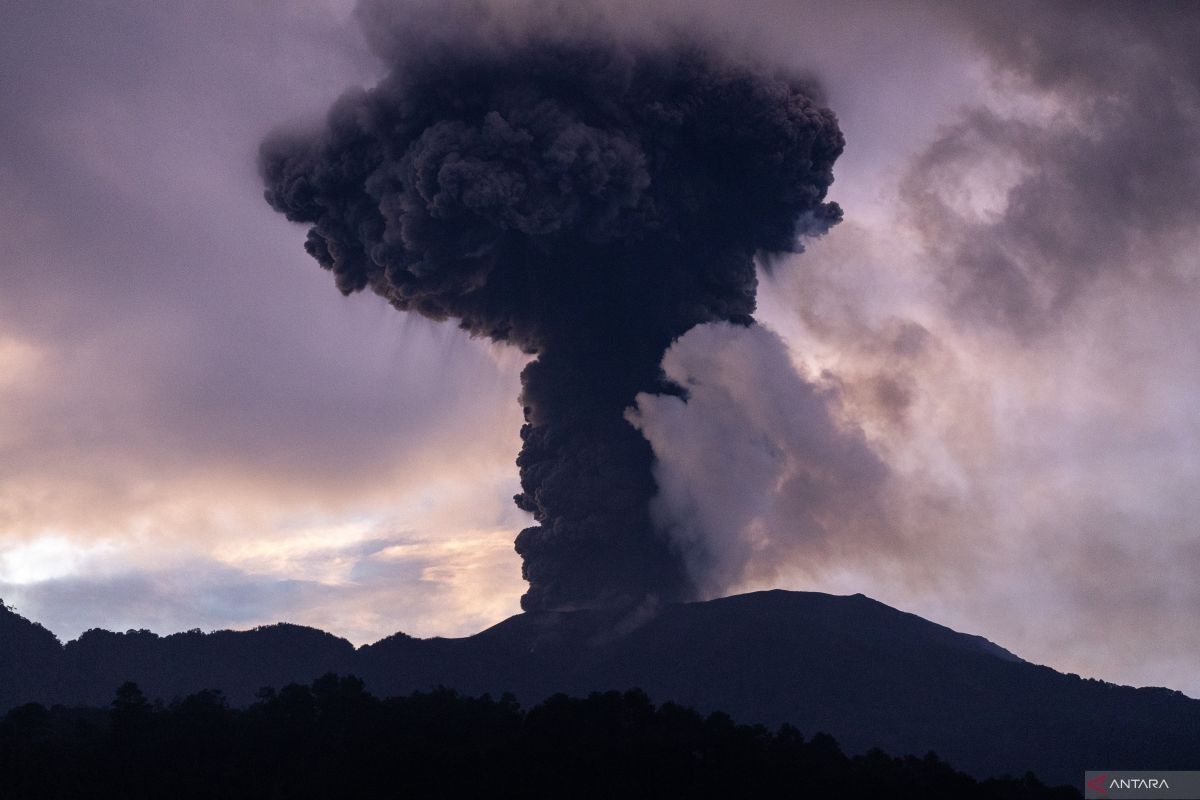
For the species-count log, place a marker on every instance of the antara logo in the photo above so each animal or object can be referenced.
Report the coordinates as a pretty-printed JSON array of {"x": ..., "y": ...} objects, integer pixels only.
[
  {"x": 1101, "y": 784},
  {"x": 1139, "y": 783}
]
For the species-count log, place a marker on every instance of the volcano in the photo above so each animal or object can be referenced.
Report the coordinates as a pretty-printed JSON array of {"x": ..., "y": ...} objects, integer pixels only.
[{"x": 869, "y": 674}]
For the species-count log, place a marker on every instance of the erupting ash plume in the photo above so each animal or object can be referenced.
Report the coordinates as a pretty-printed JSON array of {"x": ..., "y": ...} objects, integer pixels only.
[{"x": 588, "y": 202}]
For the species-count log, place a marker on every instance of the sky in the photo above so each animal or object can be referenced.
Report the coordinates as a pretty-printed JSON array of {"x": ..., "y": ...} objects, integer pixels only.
[{"x": 975, "y": 399}]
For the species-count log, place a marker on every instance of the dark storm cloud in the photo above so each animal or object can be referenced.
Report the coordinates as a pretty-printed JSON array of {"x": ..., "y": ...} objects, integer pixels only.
[
  {"x": 585, "y": 201},
  {"x": 1102, "y": 173}
]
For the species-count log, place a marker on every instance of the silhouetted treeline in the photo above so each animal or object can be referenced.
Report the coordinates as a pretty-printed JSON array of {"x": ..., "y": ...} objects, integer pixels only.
[
  {"x": 334, "y": 739},
  {"x": 868, "y": 674}
]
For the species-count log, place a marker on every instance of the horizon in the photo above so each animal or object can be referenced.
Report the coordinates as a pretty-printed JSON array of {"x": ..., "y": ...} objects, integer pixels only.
[
  {"x": 973, "y": 399},
  {"x": 1004, "y": 652}
]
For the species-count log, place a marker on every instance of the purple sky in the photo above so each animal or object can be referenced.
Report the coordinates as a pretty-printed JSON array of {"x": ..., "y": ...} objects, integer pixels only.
[{"x": 977, "y": 399}]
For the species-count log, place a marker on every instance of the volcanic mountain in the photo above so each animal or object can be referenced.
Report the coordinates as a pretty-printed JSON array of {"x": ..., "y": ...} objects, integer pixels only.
[{"x": 870, "y": 675}]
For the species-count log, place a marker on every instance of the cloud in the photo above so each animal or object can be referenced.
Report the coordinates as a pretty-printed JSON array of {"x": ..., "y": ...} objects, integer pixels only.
[
  {"x": 1034, "y": 412},
  {"x": 148, "y": 364},
  {"x": 442, "y": 585},
  {"x": 162, "y": 402},
  {"x": 1087, "y": 170}
]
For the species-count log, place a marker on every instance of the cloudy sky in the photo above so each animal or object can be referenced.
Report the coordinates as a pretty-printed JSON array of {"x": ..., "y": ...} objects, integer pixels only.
[{"x": 977, "y": 398}]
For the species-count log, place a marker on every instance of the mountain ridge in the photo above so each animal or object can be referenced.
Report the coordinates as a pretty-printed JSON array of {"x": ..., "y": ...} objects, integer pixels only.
[{"x": 869, "y": 674}]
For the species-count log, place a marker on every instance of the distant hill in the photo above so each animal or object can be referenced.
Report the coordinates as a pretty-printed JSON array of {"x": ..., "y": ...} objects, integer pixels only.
[{"x": 866, "y": 673}]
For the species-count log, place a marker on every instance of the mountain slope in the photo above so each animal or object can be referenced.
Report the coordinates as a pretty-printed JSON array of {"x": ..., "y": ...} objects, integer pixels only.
[
  {"x": 867, "y": 673},
  {"x": 860, "y": 670},
  {"x": 29, "y": 655}
]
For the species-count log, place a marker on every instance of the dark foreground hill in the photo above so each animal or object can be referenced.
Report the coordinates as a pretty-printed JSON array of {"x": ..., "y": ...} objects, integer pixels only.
[
  {"x": 868, "y": 674},
  {"x": 334, "y": 740}
]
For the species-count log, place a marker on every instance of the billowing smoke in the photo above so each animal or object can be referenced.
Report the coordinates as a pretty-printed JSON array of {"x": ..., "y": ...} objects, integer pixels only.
[
  {"x": 755, "y": 473},
  {"x": 588, "y": 202}
]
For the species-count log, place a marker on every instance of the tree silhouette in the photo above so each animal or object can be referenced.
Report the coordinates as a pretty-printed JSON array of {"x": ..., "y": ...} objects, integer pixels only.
[{"x": 334, "y": 739}]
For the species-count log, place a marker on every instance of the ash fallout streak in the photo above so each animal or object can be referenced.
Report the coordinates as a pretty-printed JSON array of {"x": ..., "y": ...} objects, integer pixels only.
[{"x": 588, "y": 202}]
